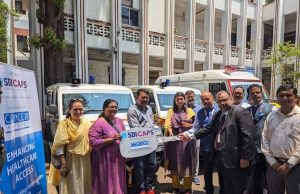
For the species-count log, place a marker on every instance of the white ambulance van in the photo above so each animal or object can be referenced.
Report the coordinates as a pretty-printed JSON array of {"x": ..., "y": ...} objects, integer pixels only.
[
  {"x": 216, "y": 80},
  {"x": 93, "y": 95},
  {"x": 161, "y": 99}
]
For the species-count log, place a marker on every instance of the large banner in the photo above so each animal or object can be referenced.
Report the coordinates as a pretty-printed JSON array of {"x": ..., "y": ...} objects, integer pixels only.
[{"x": 20, "y": 123}]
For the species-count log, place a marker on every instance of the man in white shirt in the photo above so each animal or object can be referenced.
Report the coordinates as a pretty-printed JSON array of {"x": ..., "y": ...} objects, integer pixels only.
[
  {"x": 238, "y": 97},
  {"x": 281, "y": 143}
]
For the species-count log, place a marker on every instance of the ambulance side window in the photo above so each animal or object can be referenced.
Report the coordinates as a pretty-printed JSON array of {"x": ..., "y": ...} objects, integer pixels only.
[{"x": 214, "y": 88}]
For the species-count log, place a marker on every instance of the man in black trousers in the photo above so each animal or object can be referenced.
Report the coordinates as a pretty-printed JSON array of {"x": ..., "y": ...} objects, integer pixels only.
[
  {"x": 232, "y": 132},
  {"x": 259, "y": 111}
]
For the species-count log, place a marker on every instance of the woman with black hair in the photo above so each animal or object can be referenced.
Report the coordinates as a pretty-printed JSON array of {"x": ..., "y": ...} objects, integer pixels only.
[
  {"x": 180, "y": 156},
  {"x": 109, "y": 174},
  {"x": 71, "y": 147}
]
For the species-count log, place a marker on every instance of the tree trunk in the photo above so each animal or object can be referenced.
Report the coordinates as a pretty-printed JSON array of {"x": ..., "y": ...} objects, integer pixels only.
[{"x": 53, "y": 56}]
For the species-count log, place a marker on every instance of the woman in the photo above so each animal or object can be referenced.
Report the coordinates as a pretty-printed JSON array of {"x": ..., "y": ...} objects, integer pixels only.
[
  {"x": 109, "y": 175},
  {"x": 180, "y": 156},
  {"x": 71, "y": 146}
]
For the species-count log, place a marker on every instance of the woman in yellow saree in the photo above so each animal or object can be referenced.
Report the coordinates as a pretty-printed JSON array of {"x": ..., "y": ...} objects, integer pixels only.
[{"x": 71, "y": 146}]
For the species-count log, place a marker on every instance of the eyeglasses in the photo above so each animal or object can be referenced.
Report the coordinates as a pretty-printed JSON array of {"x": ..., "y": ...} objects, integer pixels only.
[{"x": 223, "y": 100}]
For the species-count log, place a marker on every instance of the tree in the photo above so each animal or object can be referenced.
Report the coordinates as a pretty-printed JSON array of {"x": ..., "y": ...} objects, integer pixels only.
[
  {"x": 286, "y": 57},
  {"x": 50, "y": 13},
  {"x": 4, "y": 12}
]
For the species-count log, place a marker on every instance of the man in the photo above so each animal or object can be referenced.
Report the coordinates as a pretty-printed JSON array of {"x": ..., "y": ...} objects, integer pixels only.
[
  {"x": 141, "y": 115},
  {"x": 2, "y": 154},
  {"x": 238, "y": 97},
  {"x": 203, "y": 118},
  {"x": 232, "y": 133},
  {"x": 281, "y": 143},
  {"x": 259, "y": 111},
  {"x": 190, "y": 100}
]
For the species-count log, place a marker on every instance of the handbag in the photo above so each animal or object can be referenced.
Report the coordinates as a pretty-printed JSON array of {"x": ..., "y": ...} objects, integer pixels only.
[{"x": 55, "y": 160}]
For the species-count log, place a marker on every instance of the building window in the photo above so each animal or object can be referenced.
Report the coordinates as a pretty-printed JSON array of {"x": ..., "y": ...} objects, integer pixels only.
[
  {"x": 290, "y": 37},
  {"x": 22, "y": 43},
  {"x": 130, "y": 16},
  {"x": 19, "y": 7},
  {"x": 268, "y": 36}
]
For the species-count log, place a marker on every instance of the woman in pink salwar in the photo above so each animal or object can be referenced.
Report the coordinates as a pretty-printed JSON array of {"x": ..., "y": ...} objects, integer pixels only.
[{"x": 108, "y": 166}]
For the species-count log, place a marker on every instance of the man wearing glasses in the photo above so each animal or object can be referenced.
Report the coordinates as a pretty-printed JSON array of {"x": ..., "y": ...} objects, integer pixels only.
[
  {"x": 1, "y": 135},
  {"x": 232, "y": 145}
]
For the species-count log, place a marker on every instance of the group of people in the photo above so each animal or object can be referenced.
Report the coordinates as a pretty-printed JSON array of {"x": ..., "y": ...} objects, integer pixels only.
[
  {"x": 89, "y": 155},
  {"x": 253, "y": 146}
]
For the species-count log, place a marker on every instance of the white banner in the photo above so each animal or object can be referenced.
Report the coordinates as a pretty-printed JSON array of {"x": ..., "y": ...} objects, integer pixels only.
[
  {"x": 138, "y": 142},
  {"x": 20, "y": 122}
]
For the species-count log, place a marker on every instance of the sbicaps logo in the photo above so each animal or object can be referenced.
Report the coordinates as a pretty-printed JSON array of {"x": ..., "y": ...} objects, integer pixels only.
[
  {"x": 10, "y": 82},
  {"x": 124, "y": 135}
]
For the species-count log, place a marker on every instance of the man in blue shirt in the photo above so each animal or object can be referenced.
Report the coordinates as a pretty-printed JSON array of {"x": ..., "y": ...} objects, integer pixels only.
[
  {"x": 203, "y": 118},
  {"x": 190, "y": 101}
]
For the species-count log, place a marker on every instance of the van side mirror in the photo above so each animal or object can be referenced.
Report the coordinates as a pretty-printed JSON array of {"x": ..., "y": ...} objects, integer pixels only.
[
  {"x": 53, "y": 109},
  {"x": 152, "y": 105}
]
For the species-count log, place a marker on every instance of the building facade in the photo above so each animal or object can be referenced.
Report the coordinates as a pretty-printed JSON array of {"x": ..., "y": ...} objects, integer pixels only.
[{"x": 135, "y": 41}]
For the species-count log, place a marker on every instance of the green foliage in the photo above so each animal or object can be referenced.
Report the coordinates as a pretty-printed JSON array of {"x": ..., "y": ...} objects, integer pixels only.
[
  {"x": 286, "y": 57},
  {"x": 49, "y": 39},
  {"x": 4, "y": 12}
]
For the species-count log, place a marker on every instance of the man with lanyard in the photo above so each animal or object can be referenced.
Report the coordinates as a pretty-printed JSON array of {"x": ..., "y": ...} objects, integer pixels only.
[
  {"x": 281, "y": 143},
  {"x": 190, "y": 101},
  {"x": 232, "y": 145},
  {"x": 2, "y": 154},
  {"x": 238, "y": 97},
  {"x": 259, "y": 111},
  {"x": 203, "y": 118},
  {"x": 141, "y": 115}
]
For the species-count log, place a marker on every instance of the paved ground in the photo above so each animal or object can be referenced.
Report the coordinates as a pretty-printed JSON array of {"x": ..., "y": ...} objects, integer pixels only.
[{"x": 163, "y": 184}]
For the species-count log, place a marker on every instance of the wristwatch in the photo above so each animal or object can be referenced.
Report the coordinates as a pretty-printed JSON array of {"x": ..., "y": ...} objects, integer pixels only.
[{"x": 289, "y": 165}]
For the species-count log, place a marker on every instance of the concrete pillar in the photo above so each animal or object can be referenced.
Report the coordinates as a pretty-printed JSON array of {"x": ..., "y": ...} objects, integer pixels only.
[
  {"x": 209, "y": 29},
  {"x": 256, "y": 39},
  {"x": 277, "y": 37},
  {"x": 143, "y": 70},
  {"x": 190, "y": 22},
  {"x": 168, "y": 65},
  {"x": 36, "y": 56},
  {"x": 81, "y": 55},
  {"x": 242, "y": 32},
  {"x": 116, "y": 39},
  {"x": 226, "y": 32}
]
